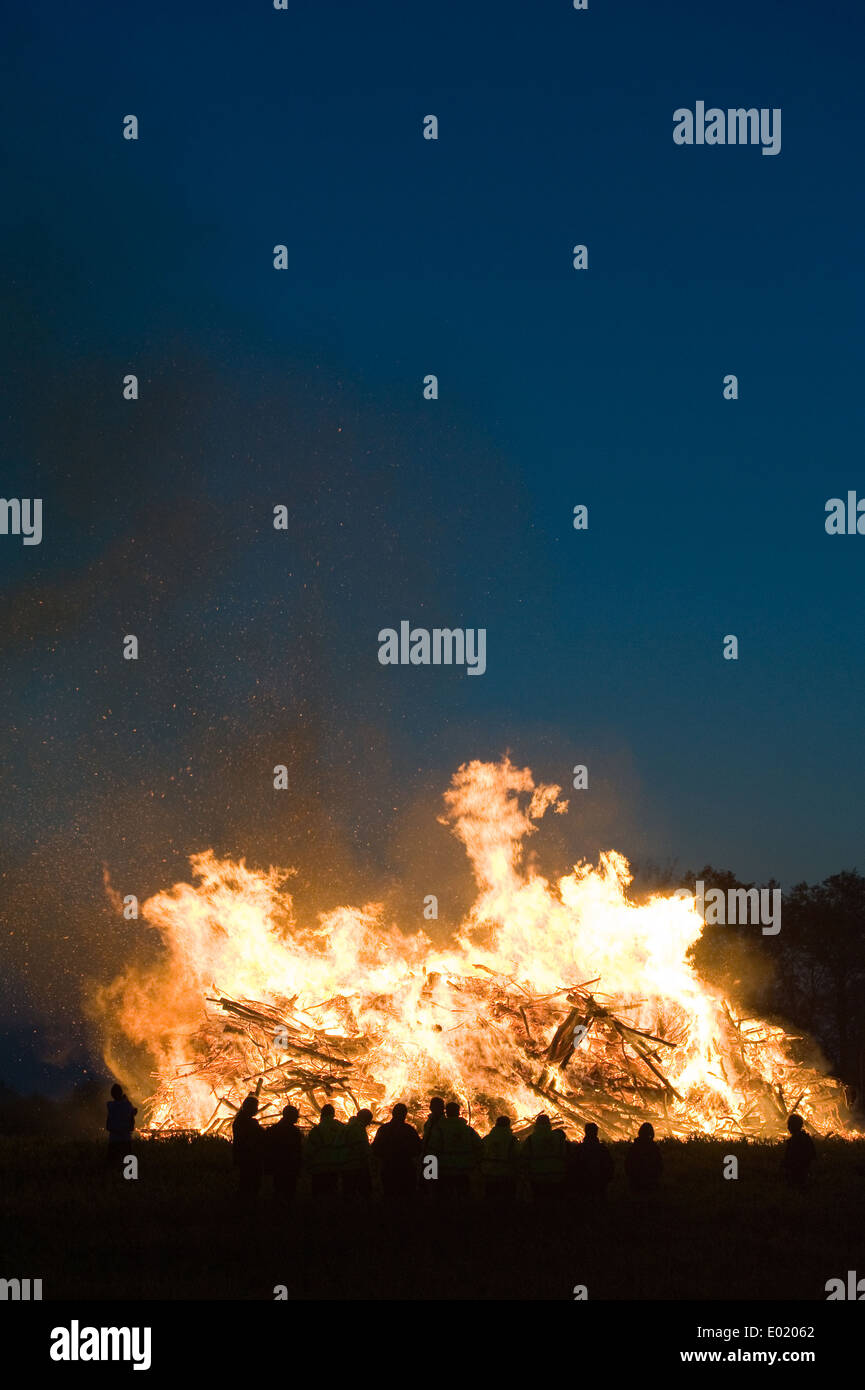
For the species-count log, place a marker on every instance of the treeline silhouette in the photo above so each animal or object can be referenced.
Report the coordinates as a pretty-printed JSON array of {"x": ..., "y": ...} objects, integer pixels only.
[
  {"x": 810, "y": 978},
  {"x": 79, "y": 1115}
]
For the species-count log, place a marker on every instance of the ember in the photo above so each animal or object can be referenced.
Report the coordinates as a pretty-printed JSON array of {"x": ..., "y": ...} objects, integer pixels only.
[{"x": 569, "y": 998}]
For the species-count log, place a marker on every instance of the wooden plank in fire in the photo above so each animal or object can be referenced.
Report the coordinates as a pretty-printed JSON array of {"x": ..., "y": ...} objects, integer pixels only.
[
  {"x": 561, "y": 1049},
  {"x": 292, "y": 1046},
  {"x": 640, "y": 1032},
  {"x": 607, "y": 1117},
  {"x": 264, "y": 1016}
]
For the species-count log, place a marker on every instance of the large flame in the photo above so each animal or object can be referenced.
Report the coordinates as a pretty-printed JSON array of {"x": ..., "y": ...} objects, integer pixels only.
[{"x": 566, "y": 997}]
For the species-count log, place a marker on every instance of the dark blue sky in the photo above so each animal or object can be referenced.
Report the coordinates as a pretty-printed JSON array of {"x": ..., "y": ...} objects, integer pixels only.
[{"x": 303, "y": 387}]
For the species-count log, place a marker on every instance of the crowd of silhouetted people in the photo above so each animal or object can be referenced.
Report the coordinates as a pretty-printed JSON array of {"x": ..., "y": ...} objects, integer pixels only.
[{"x": 450, "y": 1158}]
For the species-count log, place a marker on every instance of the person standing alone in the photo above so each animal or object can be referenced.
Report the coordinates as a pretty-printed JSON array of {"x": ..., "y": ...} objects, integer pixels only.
[{"x": 120, "y": 1125}]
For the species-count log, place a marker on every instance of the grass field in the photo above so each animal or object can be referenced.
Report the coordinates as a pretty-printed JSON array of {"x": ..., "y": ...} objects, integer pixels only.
[{"x": 177, "y": 1232}]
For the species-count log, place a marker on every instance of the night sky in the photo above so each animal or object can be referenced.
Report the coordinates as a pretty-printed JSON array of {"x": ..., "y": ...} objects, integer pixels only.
[{"x": 304, "y": 388}]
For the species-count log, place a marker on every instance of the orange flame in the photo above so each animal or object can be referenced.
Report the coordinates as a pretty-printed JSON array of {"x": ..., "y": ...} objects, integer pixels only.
[{"x": 568, "y": 997}]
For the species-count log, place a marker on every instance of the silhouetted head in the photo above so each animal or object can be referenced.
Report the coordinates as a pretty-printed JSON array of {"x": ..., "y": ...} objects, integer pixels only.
[
  {"x": 543, "y": 1122},
  {"x": 291, "y": 1113},
  {"x": 452, "y": 1110},
  {"x": 399, "y": 1113},
  {"x": 646, "y": 1133},
  {"x": 436, "y": 1106},
  {"x": 364, "y": 1117},
  {"x": 250, "y": 1105},
  {"x": 116, "y": 1091},
  {"x": 795, "y": 1124},
  {"x": 503, "y": 1122},
  {"x": 591, "y": 1134},
  {"x": 327, "y": 1112}
]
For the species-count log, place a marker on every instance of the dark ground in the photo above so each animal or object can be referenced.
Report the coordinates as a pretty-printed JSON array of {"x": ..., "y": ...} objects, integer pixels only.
[{"x": 177, "y": 1232}]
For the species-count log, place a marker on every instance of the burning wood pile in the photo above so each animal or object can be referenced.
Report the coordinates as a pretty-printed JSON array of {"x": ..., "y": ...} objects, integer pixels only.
[
  {"x": 355, "y": 1012},
  {"x": 597, "y": 1067}
]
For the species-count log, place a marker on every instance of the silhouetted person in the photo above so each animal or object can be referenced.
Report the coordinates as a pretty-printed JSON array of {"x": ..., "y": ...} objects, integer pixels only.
[
  {"x": 325, "y": 1153},
  {"x": 593, "y": 1164},
  {"x": 432, "y": 1124},
  {"x": 120, "y": 1123},
  {"x": 643, "y": 1161},
  {"x": 499, "y": 1161},
  {"x": 248, "y": 1147},
  {"x": 543, "y": 1157},
  {"x": 458, "y": 1149},
  {"x": 284, "y": 1142},
  {"x": 433, "y": 1119},
  {"x": 799, "y": 1153},
  {"x": 397, "y": 1147},
  {"x": 356, "y": 1180}
]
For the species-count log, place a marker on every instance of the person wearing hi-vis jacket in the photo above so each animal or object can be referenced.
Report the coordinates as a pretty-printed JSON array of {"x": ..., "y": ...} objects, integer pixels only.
[
  {"x": 544, "y": 1157},
  {"x": 325, "y": 1153},
  {"x": 457, "y": 1147}
]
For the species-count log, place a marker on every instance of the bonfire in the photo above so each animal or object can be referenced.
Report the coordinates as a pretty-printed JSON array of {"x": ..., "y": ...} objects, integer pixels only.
[{"x": 567, "y": 997}]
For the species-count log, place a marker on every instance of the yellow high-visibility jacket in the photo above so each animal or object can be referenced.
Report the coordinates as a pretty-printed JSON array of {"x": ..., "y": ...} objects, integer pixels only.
[
  {"x": 500, "y": 1150},
  {"x": 456, "y": 1145},
  {"x": 544, "y": 1155},
  {"x": 325, "y": 1148},
  {"x": 356, "y": 1146}
]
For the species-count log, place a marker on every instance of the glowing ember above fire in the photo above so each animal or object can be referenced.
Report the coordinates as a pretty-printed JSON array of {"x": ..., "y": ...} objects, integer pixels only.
[{"x": 566, "y": 997}]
